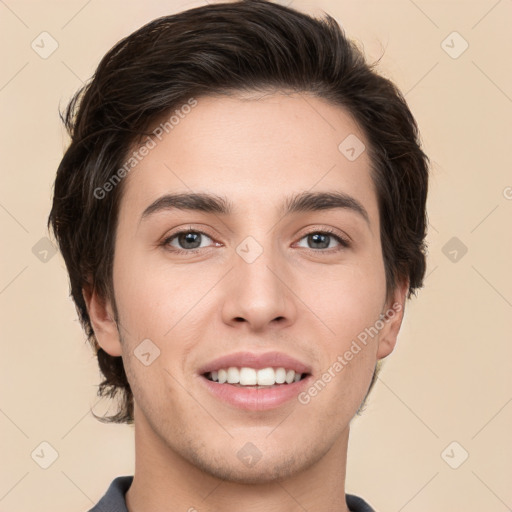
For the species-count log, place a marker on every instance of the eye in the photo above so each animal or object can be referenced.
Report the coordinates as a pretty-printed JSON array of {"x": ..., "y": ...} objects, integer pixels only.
[
  {"x": 188, "y": 241},
  {"x": 322, "y": 240}
]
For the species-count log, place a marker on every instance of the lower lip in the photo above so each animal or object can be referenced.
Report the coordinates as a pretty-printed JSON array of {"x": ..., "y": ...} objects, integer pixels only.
[{"x": 256, "y": 399}]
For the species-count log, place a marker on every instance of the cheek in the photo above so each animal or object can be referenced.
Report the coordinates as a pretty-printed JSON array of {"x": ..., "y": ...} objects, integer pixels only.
[
  {"x": 149, "y": 296},
  {"x": 155, "y": 302},
  {"x": 349, "y": 308},
  {"x": 348, "y": 302},
  {"x": 345, "y": 299}
]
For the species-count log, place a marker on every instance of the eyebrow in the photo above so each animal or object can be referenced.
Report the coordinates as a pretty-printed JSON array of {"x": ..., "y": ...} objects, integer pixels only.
[{"x": 212, "y": 203}]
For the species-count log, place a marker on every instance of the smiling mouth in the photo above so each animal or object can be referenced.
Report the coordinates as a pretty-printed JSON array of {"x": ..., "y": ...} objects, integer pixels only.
[{"x": 264, "y": 378}]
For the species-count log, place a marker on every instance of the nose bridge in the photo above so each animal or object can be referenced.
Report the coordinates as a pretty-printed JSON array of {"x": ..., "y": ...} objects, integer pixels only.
[
  {"x": 257, "y": 292},
  {"x": 255, "y": 265}
]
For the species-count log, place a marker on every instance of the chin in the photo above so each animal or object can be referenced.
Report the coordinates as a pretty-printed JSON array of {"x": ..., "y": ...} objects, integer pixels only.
[
  {"x": 261, "y": 473},
  {"x": 264, "y": 470}
]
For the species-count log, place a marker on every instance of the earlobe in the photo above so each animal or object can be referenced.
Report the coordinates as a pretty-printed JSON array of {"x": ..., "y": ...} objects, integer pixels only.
[
  {"x": 393, "y": 316},
  {"x": 103, "y": 322}
]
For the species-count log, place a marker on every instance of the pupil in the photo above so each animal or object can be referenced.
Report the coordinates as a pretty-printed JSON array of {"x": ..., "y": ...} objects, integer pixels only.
[
  {"x": 193, "y": 238},
  {"x": 190, "y": 238},
  {"x": 316, "y": 239}
]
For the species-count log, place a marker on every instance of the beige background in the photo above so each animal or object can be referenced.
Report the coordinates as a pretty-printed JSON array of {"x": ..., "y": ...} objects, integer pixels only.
[{"x": 450, "y": 376}]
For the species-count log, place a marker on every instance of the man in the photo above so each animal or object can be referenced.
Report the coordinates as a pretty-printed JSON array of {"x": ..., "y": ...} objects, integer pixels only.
[{"x": 262, "y": 138}]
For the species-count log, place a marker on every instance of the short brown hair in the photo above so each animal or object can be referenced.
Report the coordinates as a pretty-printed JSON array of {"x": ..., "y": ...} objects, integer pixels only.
[{"x": 250, "y": 45}]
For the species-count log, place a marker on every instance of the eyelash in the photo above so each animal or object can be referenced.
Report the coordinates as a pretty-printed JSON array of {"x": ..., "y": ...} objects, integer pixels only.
[{"x": 342, "y": 241}]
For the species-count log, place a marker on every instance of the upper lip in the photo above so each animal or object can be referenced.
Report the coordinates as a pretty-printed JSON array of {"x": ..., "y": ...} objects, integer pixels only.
[{"x": 256, "y": 361}]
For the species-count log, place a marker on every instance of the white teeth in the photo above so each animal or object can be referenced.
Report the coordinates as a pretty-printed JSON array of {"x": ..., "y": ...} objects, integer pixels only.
[
  {"x": 266, "y": 377},
  {"x": 233, "y": 375},
  {"x": 280, "y": 375},
  {"x": 246, "y": 376},
  {"x": 223, "y": 376}
]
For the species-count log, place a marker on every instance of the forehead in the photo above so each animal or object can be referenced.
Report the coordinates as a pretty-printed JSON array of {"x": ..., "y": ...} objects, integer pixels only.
[{"x": 254, "y": 150}]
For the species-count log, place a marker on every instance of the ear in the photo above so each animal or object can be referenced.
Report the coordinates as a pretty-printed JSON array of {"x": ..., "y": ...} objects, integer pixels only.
[
  {"x": 393, "y": 315},
  {"x": 101, "y": 315}
]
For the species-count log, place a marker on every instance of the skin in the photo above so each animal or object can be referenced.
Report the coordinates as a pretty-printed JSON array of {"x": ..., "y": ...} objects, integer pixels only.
[{"x": 306, "y": 301}]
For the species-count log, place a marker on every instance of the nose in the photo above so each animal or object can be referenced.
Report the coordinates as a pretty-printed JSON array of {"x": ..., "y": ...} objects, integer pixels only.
[{"x": 258, "y": 292}]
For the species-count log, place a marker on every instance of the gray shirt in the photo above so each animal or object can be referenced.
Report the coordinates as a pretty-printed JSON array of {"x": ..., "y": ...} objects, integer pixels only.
[{"x": 113, "y": 500}]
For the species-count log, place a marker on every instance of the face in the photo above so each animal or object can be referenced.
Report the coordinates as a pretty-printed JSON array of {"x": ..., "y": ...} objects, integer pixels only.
[{"x": 270, "y": 285}]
